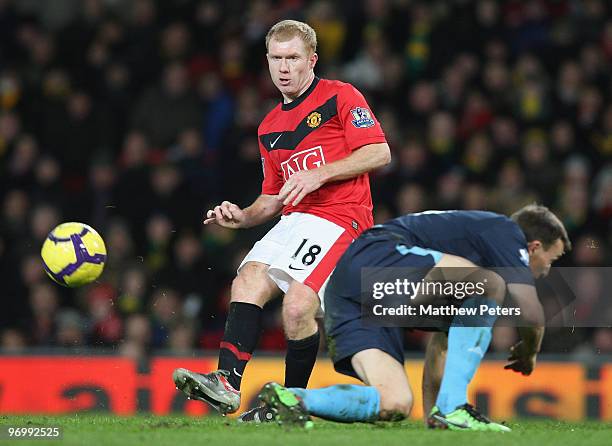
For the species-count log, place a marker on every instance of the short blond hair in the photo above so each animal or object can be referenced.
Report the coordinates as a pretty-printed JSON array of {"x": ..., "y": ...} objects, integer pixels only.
[{"x": 288, "y": 29}]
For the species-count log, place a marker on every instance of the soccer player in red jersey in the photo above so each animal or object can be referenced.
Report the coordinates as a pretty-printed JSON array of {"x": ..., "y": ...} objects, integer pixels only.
[{"x": 317, "y": 148}]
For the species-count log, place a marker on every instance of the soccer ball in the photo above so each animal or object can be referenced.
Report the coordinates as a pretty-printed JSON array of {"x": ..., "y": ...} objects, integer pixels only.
[{"x": 73, "y": 254}]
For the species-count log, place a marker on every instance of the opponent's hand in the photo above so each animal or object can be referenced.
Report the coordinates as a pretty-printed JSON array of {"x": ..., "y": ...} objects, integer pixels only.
[
  {"x": 299, "y": 185},
  {"x": 226, "y": 214},
  {"x": 521, "y": 360}
]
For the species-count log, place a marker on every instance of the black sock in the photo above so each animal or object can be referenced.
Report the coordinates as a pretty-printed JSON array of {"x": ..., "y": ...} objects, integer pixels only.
[
  {"x": 300, "y": 359},
  {"x": 242, "y": 330}
]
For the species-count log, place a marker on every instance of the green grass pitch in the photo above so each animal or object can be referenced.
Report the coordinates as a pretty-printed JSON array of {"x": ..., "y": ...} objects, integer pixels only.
[{"x": 102, "y": 430}]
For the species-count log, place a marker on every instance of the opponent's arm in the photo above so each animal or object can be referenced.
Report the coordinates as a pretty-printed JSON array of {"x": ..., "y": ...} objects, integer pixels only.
[
  {"x": 523, "y": 354},
  {"x": 229, "y": 215},
  {"x": 362, "y": 160}
]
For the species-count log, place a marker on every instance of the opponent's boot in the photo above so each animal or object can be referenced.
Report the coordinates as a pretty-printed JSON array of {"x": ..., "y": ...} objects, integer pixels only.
[
  {"x": 464, "y": 417},
  {"x": 288, "y": 409}
]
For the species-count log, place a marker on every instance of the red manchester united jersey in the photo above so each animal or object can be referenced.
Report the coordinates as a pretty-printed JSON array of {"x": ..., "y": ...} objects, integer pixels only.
[{"x": 325, "y": 124}]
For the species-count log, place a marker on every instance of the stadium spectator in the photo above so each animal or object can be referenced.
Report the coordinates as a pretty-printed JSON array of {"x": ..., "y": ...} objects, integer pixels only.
[
  {"x": 165, "y": 110},
  {"x": 44, "y": 303},
  {"x": 12, "y": 341}
]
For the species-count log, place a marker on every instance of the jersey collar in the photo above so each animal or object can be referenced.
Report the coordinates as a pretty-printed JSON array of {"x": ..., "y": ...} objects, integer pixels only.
[{"x": 297, "y": 101}]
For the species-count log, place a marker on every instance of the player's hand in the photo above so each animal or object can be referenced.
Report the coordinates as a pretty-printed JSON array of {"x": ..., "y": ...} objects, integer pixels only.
[
  {"x": 521, "y": 360},
  {"x": 299, "y": 185},
  {"x": 226, "y": 214}
]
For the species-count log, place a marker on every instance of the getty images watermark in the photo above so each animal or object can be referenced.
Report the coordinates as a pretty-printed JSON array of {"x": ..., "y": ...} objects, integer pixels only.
[
  {"x": 429, "y": 293},
  {"x": 435, "y": 298}
]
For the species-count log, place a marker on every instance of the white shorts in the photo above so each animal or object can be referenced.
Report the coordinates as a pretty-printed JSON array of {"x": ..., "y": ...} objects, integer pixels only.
[{"x": 301, "y": 247}]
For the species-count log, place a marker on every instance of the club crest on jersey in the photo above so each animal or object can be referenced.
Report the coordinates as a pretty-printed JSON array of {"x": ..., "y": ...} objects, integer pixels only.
[
  {"x": 313, "y": 120},
  {"x": 305, "y": 160},
  {"x": 363, "y": 118},
  {"x": 524, "y": 256}
]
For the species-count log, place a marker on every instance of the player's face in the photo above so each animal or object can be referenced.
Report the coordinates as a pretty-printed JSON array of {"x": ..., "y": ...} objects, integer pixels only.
[
  {"x": 541, "y": 259},
  {"x": 291, "y": 66}
]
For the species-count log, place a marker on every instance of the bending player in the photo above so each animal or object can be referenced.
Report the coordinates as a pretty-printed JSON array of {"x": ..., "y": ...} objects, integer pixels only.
[
  {"x": 518, "y": 248},
  {"x": 316, "y": 147}
]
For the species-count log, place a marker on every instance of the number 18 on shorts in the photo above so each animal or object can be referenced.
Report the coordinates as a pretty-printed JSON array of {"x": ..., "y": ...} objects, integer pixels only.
[{"x": 301, "y": 247}]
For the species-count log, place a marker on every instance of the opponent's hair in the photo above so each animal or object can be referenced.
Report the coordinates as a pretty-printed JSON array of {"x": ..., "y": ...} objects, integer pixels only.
[
  {"x": 538, "y": 223},
  {"x": 288, "y": 29}
]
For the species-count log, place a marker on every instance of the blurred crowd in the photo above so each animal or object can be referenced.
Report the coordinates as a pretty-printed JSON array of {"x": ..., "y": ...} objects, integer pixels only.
[{"x": 135, "y": 116}]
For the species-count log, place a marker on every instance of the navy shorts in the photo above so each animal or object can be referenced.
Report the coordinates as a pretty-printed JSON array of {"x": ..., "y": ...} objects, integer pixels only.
[{"x": 346, "y": 334}]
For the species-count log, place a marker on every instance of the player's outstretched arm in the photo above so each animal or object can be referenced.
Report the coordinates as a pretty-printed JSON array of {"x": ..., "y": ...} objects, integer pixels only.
[
  {"x": 230, "y": 215},
  {"x": 362, "y": 160},
  {"x": 523, "y": 354}
]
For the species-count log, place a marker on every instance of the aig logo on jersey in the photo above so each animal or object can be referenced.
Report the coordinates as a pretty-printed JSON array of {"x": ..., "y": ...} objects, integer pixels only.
[
  {"x": 363, "y": 118},
  {"x": 304, "y": 160},
  {"x": 313, "y": 120}
]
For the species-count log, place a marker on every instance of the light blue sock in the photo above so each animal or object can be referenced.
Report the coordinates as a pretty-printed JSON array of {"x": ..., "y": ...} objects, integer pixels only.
[
  {"x": 343, "y": 402},
  {"x": 467, "y": 345}
]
